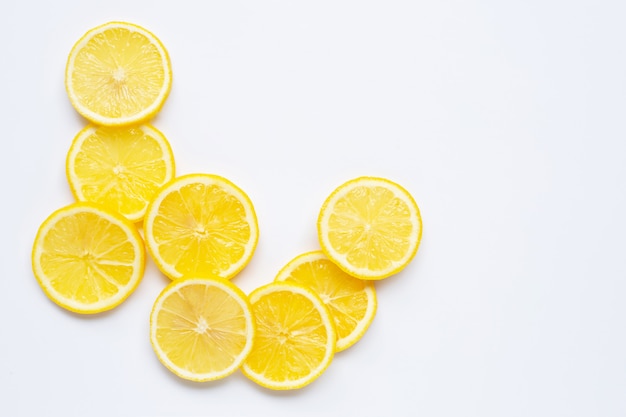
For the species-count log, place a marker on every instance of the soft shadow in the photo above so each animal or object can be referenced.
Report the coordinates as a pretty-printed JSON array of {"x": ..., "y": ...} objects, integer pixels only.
[
  {"x": 411, "y": 272},
  {"x": 192, "y": 384},
  {"x": 275, "y": 393},
  {"x": 85, "y": 316}
]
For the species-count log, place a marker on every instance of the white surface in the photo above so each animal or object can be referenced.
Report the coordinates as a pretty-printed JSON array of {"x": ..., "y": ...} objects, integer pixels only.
[{"x": 505, "y": 119}]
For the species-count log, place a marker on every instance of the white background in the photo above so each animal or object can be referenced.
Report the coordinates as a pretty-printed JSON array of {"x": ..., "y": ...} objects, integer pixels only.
[{"x": 504, "y": 119}]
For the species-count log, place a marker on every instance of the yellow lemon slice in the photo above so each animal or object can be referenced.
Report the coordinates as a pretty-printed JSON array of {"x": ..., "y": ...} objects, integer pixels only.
[
  {"x": 370, "y": 227},
  {"x": 201, "y": 329},
  {"x": 201, "y": 225},
  {"x": 351, "y": 301},
  {"x": 295, "y": 337},
  {"x": 120, "y": 168},
  {"x": 87, "y": 260},
  {"x": 118, "y": 73}
]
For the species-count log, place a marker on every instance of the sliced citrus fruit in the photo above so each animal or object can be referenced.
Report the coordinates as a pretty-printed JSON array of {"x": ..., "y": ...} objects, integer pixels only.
[
  {"x": 120, "y": 168},
  {"x": 370, "y": 227},
  {"x": 351, "y": 301},
  {"x": 201, "y": 329},
  {"x": 199, "y": 225},
  {"x": 295, "y": 337},
  {"x": 86, "y": 259},
  {"x": 118, "y": 73}
]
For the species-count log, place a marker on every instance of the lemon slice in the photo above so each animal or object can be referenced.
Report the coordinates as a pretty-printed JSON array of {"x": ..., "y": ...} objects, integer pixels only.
[
  {"x": 201, "y": 329},
  {"x": 351, "y": 301},
  {"x": 87, "y": 260},
  {"x": 120, "y": 168},
  {"x": 201, "y": 225},
  {"x": 370, "y": 227},
  {"x": 118, "y": 73},
  {"x": 295, "y": 337}
]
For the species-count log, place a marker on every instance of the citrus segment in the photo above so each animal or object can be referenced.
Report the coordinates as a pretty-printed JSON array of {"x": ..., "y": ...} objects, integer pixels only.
[
  {"x": 201, "y": 329},
  {"x": 201, "y": 225},
  {"x": 87, "y": 260},
  {"x": 118, "y": 73},
  {"x": 120, "y": 168},
  {"x": 370, "y": 227},
  {"x": 295, "y": 337},
  {"x": 351, "y": 301}
]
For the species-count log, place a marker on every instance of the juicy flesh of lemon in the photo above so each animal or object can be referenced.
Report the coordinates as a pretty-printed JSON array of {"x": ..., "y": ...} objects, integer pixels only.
[
  {"x": 201, "y": 329},
  {"x": 87, "y": 259},
  {"x": 371, "y": 227},
  {"x": 291, "y": 338},
  {"x": 201, "y": 229},
  {"x": 345, "y": 296},
  {"x": 121, "y": 169},
  {"x": 121, "y": 73}
]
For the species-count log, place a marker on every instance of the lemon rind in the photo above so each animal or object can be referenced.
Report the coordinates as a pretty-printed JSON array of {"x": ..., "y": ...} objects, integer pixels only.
[
  {"x": 76, "y": 183},
  {"x": 142, "y": 116},
  {"x": 230, "y": 289},
  {"x": 204, "y": 179},
  {"x": 108, "y": 303},
  {"x": 339, "y": 259},
  {"x": 328, "y": 324},
  {"x": 372, "y": 302}
]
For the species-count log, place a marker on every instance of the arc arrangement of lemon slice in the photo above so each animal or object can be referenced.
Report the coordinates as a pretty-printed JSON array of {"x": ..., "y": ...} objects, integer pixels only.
[
  {"x": 201, "y": 329},
  {"x": 88, "y": 257},
  {"x": 201, "y": 230},
  {"x": 87, "y": 260},
  {"x": 118, "y": 74}
]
